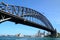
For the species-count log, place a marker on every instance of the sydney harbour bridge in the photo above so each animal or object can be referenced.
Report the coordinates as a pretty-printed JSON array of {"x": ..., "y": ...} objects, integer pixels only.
[{"x": 26, "y": 16}]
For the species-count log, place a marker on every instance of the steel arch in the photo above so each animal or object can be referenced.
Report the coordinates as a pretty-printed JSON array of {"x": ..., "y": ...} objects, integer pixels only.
[{"x": 26, "y": 12}]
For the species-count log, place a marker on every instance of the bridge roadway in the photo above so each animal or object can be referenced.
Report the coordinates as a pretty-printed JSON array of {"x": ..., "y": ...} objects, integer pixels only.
[{"x": 19, "y": 20}]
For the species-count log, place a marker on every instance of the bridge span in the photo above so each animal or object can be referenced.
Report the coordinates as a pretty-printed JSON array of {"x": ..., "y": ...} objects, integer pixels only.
[{"x": 26, "y": 16}]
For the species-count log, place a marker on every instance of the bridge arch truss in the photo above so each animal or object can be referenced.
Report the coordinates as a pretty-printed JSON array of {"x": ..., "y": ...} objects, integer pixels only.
[{"x": 27, "y": 14}]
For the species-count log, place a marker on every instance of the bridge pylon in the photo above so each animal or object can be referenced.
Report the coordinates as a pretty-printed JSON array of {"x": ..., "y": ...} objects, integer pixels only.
[{"x": 54, "y": 34}]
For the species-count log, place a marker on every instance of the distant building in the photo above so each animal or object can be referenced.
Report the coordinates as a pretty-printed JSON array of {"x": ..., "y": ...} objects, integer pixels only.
[
  {"x": 18, "y": 35},
  {"x": 48, "y": 34},
  {"x": 39, "y": 34}
]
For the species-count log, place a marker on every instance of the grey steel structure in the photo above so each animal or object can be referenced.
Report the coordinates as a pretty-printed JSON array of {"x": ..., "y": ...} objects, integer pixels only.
[{"x": 25, "y": 16}]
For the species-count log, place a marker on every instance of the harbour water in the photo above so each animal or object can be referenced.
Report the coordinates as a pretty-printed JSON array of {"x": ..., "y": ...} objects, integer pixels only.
[{"x": 27, "y": 38}]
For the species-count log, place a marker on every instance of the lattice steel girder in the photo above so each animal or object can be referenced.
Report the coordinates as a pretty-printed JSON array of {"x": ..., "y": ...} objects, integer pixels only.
[
  {"x": 3, "y": 18},
  {"x": 20, "y": 11}
]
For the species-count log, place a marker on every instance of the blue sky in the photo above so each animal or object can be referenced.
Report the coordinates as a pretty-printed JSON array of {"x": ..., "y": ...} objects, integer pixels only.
[{"x": 49, "y": 8}]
